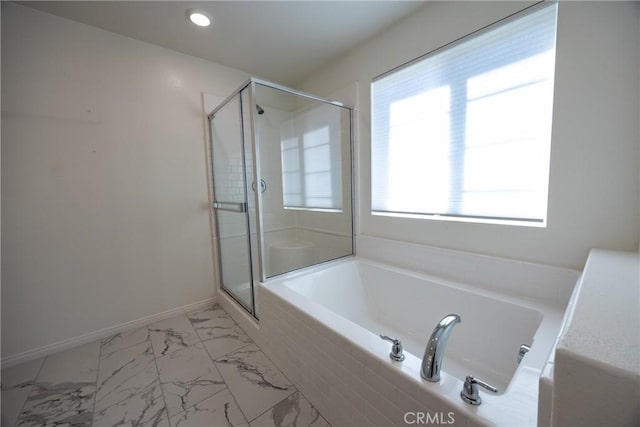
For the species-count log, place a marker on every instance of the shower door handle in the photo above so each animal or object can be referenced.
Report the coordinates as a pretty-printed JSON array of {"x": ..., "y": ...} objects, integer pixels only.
[
  {"x": 230, "y": 206},
  {"x": 263, "y": 186}
]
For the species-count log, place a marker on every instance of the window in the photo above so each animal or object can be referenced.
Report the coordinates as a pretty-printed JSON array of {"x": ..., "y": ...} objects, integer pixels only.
[
  {"x": 465, "y": 131},
  {"x": 311, "y": 164}
]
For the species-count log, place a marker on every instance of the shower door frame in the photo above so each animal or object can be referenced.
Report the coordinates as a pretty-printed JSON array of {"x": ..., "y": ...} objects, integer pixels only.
[
  {"x": 244, "y": 210},
  {"x": 254, "y": 140}
]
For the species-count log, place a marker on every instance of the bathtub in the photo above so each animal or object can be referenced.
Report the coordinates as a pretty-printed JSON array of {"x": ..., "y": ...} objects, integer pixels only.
[{"x": 322, "y": 327}]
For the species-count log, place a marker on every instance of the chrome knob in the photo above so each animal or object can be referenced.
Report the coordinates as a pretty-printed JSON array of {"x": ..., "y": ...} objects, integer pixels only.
[
  {"x": 470, "y": 393},
  {"x": 524, "y": 349},
  {"x": 396, "y": 350}
]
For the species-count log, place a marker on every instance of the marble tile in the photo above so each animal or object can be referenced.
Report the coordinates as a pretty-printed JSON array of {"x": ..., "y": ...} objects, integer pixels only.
[
  {"x": 77, "y": 365},
  {"x": 225, "y": 340},
  {"x": 254, "y": 380},
  {"x": 64, "y": 390},
  {"x": 142, "y": 406},
  {"x": 294, "y": 411},
  {"x": 16, "y": 386},
  {"x": 211, "y": 322},
  {"x": 206, "y": 313},
  {"x": 123, "y": 340},
  {"x": 129, "y": 388},
  {"x": 218, "y": 410},
  {"x": 188, "y": 376},
  {"x": 161, "y": 375},
  {"x": 64, "y": 403},
  {"x": 172, "y": 334},
  {"x": 124, "y": 369}
]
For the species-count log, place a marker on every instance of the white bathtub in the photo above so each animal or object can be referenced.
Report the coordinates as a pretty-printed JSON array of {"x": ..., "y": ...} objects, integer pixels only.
[{"x": 322, "y": 326}]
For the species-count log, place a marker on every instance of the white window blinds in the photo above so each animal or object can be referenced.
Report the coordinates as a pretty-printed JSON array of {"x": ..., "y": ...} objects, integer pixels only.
[{"x": 465, "y": 131}]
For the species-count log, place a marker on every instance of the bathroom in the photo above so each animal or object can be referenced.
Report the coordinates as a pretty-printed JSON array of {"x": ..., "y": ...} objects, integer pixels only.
[{"x": 109, "y": 243}]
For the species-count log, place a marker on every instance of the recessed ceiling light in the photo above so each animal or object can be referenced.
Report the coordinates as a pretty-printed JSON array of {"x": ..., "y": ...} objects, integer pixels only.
[{"x": 198, "y": 17}]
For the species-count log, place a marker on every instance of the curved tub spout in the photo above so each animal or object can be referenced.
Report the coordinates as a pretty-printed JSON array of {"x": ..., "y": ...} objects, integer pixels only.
[{"x": 433, "y": 354}]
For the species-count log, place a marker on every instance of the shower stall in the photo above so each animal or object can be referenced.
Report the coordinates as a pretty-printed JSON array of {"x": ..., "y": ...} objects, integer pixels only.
[{"x": 281, "y": 163}]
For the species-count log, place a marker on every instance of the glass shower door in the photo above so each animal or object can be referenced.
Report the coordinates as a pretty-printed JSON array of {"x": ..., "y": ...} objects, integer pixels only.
[{"x": 229, "y": 166}]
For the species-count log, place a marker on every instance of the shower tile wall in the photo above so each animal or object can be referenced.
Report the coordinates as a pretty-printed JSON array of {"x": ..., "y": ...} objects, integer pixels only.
[
  {"x": 233, "y": 190},
  {"x": 191, "y": 370},
  {"x": 279, "y": 223},
  {"x": 325, "y": 230},
  {"x": 275, "y": 217}
]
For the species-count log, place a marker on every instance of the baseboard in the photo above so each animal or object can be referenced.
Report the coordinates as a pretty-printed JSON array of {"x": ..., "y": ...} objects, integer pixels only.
[{"x": 46, "y": 350}]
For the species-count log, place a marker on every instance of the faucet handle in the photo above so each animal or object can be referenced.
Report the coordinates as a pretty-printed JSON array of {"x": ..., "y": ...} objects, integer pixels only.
[
  {"x": 396, "y": 350},
  {"x": 470, "y": 393},
  {"x": 524, "y": 349}
]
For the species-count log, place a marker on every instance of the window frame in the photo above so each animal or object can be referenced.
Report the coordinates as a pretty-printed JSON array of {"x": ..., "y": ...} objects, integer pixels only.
[{"x": 458, "y": 96}]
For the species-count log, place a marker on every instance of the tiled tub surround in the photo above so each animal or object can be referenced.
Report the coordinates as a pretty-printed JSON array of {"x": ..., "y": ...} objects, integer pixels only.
[
  {"x": 315, "y": 335},
  {"x": 198, "y": 369}
]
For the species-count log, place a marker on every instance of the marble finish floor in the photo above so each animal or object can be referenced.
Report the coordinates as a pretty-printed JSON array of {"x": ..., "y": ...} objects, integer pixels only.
[{"x": 194, "y": 370}]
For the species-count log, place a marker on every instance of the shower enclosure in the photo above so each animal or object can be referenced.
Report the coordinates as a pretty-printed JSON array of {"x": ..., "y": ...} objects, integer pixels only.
[{"x": 281, "y": 163}]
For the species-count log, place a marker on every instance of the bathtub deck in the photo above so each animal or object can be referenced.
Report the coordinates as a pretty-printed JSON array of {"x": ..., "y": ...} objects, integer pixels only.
[{"x": 321, "y": 327}]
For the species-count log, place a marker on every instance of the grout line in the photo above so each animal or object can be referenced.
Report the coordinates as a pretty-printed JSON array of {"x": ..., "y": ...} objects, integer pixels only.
[
  {"x": 35, "y": 380},
  {"x": 95, "y": 396},
  {"x": 220, "y": 373},
  {"x": 44, "y": 359},
  {"x": 163, "y": 330},
  {"x": 295, "y": 388},
  {"x": 291, "y": 382},
  {"x": 201, "y": 342},
  {"x": 236, "y": 350},
  {"x": 131, "y": 345},
  {"x": 160, "y": 384},
  {"x": 229, "y": 389},
  {"x": 312, "y": 406}
]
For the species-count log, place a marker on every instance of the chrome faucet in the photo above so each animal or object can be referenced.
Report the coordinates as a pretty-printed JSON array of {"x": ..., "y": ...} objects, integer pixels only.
[{"x": 433, "y": 354}]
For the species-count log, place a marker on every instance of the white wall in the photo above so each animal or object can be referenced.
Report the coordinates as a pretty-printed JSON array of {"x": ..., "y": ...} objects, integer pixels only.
[
  {"x": 104, "y": 187},
  {"x": 594, "y": 188}
]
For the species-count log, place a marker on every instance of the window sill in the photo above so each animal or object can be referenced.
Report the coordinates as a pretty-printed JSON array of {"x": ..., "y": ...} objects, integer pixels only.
[{"x": 450, "y": 218}]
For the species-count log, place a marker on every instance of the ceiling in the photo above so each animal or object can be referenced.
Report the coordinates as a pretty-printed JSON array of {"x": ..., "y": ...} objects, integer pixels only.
[{"x": 278, "y": 40}]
